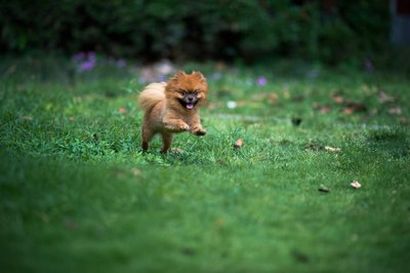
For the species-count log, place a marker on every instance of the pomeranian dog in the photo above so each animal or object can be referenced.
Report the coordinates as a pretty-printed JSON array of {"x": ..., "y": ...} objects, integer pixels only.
[{"x": 173, "y": 107}]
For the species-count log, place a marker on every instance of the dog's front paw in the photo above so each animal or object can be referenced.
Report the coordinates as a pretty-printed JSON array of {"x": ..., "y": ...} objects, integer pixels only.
[
  {"x": 199, "y": 132},
  {"x": 184, "y": 127}
]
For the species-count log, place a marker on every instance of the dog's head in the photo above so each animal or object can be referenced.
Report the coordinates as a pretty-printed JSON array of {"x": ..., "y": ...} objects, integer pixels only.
[{"x": 187, "y": 90}]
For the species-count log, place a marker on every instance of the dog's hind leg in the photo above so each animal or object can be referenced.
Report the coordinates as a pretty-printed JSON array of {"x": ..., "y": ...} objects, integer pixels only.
[
  {"x": 146, "y": 135},
  {"x": 166, "y": 140}
]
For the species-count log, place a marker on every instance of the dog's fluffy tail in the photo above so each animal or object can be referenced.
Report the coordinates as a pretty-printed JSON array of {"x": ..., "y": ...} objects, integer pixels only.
[{"x": 151, "y": 95}]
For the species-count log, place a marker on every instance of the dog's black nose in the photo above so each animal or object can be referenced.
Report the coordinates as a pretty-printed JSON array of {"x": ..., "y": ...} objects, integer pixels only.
[{"x": 190, "y": 98}]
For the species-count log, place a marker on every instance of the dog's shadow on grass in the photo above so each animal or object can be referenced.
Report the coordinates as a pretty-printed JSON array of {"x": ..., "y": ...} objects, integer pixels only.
[{"x": 176, "y": 156}]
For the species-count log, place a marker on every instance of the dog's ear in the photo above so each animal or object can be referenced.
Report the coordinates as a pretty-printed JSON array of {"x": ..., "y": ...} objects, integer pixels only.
[
  {"x": 199, "y": 75},
  {"x": 178, "y": 75}
]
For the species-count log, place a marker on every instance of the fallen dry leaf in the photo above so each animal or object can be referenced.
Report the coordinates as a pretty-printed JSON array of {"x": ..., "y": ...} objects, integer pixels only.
[
  {"x": 238, "y": 143},
  {"x": 337, "y": 98},
  {"x": 272, "y": 98},
  {"x": 395, "y": 111},
  {"x": 347, "y": 111},
  {"x": 323, "y": 109},
  {"x": 355, "y": 184},
  {"x": 177, "y": 150},
  {"x": 385, "y": 98},
  {"x": 332, "y": 149},
  {"x": 404, "y": 121},
  {"x": 323, "y": 188},
  {"x": 354, "y": 107},
  {"x": 122, "y": 110}
]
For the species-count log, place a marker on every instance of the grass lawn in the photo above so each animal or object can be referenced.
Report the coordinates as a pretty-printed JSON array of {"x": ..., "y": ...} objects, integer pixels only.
[{"x": 77, "y": 194}]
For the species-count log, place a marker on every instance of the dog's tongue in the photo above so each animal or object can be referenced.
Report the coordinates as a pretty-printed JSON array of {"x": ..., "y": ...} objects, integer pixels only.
[{"x": 189, "y": 106}]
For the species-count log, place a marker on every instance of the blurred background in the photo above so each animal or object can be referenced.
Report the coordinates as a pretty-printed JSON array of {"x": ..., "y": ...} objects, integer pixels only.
[{"x": 357, "y": 32}]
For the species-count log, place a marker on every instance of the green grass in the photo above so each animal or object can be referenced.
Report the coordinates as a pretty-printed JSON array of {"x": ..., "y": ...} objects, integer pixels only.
[{"x": 77, "y": 194}]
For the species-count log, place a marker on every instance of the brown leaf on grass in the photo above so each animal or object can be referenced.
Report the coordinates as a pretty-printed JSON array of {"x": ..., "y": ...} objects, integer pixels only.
[
  {"x": 122, "y": 110},
  {"x": 354, "y": 107},
  {"x": 271, "y": 97},
  {"x": 177, "y": 150},
  {"x": 323, "y": 188},
  {"x": 238, "y": 143},
  {"x": 385, "y": 98},
  {"x": 332, "y": 149},
  {"x": 395, "y": 110},
  {"x": 323, "y": 109},
  {"x": 337, "y": 98},
  {"x": 404, "y": 121},
  {"x": 348, "y": 111},
  {"x": 355, "y": 184}
]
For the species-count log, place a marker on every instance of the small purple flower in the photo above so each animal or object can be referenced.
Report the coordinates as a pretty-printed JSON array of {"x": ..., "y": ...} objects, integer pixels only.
[
  {"x": 261, "y": 81},
  {"x": 86, "y": 66},
  {"x": 85, "y": 61}
]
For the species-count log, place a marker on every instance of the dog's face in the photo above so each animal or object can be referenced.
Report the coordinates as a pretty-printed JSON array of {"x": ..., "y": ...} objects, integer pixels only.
[{"x": 187, "y": 91}]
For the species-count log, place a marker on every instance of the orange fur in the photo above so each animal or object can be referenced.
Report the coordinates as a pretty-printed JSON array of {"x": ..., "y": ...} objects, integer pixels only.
[{"x": 173, "y": 107}]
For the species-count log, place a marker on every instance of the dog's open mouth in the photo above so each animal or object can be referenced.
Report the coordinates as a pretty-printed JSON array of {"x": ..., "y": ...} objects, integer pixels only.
[
  {"x": 188, "y": 105},
  {"x": 189, "y": 101}
]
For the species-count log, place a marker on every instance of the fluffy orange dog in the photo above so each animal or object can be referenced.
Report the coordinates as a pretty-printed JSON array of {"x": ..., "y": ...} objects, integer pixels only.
[{"x": 173, "y": 107}]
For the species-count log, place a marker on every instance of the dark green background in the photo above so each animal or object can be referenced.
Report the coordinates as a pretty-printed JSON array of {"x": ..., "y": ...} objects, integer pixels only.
[{"x": 329, "y": 31}]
